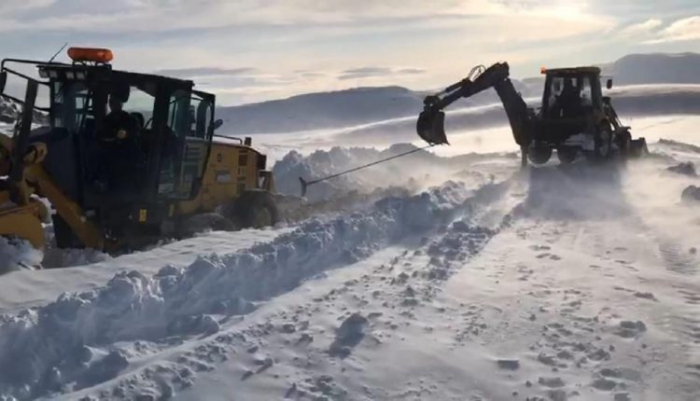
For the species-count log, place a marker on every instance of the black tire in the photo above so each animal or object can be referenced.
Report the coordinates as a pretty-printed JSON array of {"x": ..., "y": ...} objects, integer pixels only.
[
  {"x": 566, "y": 155},
  {"x": 624, "y": 143},
  {"x": 540, "y": 154},
  {"x": 603, "y": 142},
  {"x": 202, "y": 222},
  {"x": 253, "y": 209}
]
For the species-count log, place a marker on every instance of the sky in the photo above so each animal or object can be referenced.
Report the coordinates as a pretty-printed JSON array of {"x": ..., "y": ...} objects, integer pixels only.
[{"x": 255, "y": 50}]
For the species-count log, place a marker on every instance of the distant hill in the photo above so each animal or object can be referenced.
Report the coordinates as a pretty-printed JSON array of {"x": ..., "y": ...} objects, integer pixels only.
[
  {"x": 10, "y": 112},
  {"x": 327, "y": 110},
  {"x": 321, "y": 110},
  {"x": 655, "y": 68},
  {"x": 354, "y": 107}
]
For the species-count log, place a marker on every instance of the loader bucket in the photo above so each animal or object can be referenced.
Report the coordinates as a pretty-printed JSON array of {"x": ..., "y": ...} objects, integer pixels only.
[
  {"x": 638, "y": 148},
  {"x": 431, "y": 127}
]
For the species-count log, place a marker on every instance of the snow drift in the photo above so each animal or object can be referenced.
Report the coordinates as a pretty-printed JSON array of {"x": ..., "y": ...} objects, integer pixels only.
[
  {"x": 15, "y": 254},
  {"x": 73, "y": 343},
  {"x": 414, "y": 172}
]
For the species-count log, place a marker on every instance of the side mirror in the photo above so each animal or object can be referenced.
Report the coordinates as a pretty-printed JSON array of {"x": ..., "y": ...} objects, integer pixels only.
[
  {"x": 247, "y": 141},
  {"x": 3, "y": 81},
  {"x": 609, "y": 84},
  {"x": 217, "y": 124}
]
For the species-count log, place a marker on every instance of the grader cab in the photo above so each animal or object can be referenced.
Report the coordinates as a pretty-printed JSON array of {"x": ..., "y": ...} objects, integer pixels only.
[{"x": 127, "y": 158}]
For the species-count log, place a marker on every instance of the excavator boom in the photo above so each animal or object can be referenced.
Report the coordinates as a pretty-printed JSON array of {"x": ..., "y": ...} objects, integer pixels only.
[{"x": 430, "y": 125}]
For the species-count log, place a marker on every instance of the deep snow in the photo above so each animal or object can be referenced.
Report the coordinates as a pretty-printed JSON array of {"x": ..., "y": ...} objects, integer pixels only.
[{"x": 559, "y": 283}]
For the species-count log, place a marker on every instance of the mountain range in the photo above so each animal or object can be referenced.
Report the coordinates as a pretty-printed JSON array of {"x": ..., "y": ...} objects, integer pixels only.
[{"x": 358, "y": 106}]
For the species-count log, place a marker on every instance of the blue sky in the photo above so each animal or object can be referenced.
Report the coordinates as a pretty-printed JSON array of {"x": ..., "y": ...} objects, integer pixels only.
[{"x": 252, "y": 50}]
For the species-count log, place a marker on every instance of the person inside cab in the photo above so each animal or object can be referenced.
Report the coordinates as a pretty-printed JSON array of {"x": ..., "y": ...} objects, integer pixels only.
[
  {"x": 569, "y": 101},
  {"x": 118, "y": 124},
  {"x": 119, "y": 144}
]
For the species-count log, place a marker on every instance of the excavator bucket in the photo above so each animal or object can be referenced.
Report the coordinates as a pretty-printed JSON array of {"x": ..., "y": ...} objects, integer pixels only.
[
  {"x": 638, "y": 148},
  {"x": 431, "y": 127}
]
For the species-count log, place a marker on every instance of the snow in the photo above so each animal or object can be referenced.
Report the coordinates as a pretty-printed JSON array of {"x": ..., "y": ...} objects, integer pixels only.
[
  {"x": 475, "y": 282},
  {"x": 176, "y": 302},
  {"x": 16, "y": 255},
  {"x": 414, "y": 171}
]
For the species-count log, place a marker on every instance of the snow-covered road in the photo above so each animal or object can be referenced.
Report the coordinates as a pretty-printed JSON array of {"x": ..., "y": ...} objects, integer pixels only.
[{"x": 561, "y": 284}]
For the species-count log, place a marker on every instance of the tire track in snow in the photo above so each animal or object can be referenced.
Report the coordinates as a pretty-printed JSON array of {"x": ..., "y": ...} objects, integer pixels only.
[
  {"x": 683, "y": 321},
  {"x": 675, "y": 259},
  {"x": 61, "y": 347}
]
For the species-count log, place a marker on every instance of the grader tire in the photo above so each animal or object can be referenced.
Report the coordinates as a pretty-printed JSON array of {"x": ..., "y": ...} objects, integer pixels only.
[
  {"x": 253, "y": 209},
  {"x": 203, "y": 222}
]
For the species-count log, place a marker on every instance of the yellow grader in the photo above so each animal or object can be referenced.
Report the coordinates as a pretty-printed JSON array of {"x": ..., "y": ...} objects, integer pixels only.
[{"x": 125, "y": 160}]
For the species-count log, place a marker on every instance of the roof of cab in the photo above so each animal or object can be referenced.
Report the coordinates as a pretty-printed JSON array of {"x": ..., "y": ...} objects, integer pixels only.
[{"x": 573, "y": 71}]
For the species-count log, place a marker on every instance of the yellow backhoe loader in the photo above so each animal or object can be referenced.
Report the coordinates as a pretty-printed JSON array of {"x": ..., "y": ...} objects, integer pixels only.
[
  {"x": 125, "y": 160},
  {"x": 575, "y": 118}
]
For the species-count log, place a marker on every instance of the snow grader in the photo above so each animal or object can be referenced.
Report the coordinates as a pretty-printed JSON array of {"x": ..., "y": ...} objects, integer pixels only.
[
  {"x": 126, "y": 159},
  {"x": 575, "y": 119}
]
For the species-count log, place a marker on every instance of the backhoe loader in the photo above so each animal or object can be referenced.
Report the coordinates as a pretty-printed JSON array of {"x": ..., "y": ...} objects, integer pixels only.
[
  {"x": 157, "y": 172},
  {"x": 575, "y": 118}
]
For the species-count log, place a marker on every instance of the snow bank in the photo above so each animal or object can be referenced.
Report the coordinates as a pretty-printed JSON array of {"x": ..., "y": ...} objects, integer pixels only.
[
  {"x": 52, "y": 349},
  {"x": 55, "y": 257},
  {"x": 324, "y": 163},
  {"x": 17, "y": 254},
  {"x": 415, "y": 171}
]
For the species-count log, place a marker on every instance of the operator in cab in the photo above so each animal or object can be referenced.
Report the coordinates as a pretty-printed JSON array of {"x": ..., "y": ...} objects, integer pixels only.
[
  {"x": 569, "y": 100},
  {"x": 120, "y": 149},
  {"x": 118, "y": 125}
]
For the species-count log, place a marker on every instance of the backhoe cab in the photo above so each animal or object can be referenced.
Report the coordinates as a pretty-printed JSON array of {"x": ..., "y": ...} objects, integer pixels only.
[
  {"x": 126, "y": 156},
  {"x": 574, "y": 119}
]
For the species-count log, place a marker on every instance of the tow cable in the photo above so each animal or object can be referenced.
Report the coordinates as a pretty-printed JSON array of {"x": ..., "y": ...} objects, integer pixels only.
[{"x": 305, "y": 184}]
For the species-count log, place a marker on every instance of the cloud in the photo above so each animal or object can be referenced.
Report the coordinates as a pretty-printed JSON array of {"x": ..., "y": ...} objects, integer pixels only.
[
  {"x": 682, "y": 30},
  {"x": 367, "y": 72},
  {"x": 199, "y": 72},
  {"x": 307, "y": 45},
  {"x": 175, "y": 15},
  {"x": 23, "y": 5},
  {"x": 411, "y": 71},
  {"x": 640, "y": 29}
]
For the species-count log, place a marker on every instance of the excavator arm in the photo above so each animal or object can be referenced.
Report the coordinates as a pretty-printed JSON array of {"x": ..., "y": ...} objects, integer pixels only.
[{"x": 431, "y": 122}]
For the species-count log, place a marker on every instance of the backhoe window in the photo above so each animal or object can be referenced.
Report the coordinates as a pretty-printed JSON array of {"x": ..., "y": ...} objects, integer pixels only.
[
  {"x": 586, "y": 92},
  {"x": 557, "y": 87}
]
